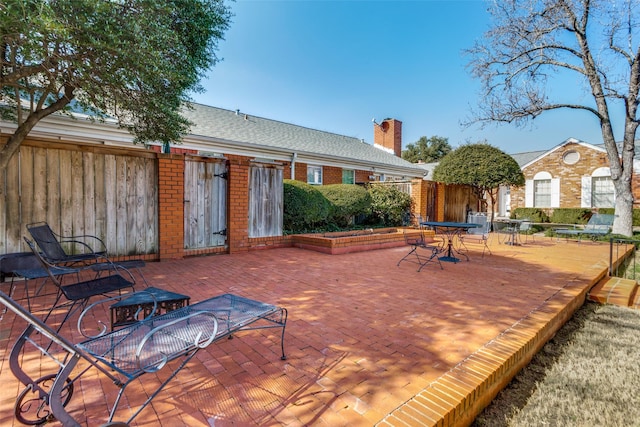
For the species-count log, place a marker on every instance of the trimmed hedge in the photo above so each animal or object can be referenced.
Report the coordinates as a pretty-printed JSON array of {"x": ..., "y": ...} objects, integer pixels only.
[
  {"x": 304, "y": 206},
  {"x": 347, "y": 201},
  {"x": 566, "y": 215},
  {"x": 388, "y": 205},
  {"x": 309, "y": 208},
  {"x": 571, "y": 216},
  {"x": 534, "y": 214}
]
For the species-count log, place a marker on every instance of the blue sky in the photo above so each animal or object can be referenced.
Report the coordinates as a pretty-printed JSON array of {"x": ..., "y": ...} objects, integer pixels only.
[{"x": 336, "y": 65}]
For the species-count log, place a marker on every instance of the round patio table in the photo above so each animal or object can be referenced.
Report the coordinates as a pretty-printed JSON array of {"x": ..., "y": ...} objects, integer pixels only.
[{"x": 450, "y": 230}]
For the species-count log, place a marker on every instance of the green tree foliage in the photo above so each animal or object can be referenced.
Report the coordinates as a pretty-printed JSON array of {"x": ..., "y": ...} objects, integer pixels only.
[
  {"x": 428, "y": 150},
  {"x": 132, "y": 60},
  {"x": 480, "y": 165},
  {"x": 347, "y": 201},
  {"x": 388, "y": 204},
  {"x": 304, "y": 206}
]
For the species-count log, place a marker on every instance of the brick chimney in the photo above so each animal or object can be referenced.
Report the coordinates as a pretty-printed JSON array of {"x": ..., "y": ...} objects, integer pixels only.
[{"x": 388, "y": 136}]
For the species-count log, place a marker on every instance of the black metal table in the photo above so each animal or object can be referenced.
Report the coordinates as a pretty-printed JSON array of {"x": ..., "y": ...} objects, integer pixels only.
[
  {"x": 450, "y": 230},
  {"x": 140, "y": 305}
]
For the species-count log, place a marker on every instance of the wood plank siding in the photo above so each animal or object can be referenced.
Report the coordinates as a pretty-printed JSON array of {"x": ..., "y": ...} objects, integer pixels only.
[{"x": 81, "y": 189}]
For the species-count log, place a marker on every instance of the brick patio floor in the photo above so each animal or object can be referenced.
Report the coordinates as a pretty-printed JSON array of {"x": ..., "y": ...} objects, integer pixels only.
[{"x": 368, "y": 342}]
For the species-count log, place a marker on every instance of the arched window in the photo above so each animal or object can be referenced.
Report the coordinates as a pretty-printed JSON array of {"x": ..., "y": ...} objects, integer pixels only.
[{"x": 542, "y": 191}]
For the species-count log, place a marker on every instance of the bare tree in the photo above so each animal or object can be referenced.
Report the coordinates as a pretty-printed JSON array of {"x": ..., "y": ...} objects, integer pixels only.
[{"x": 597, "y": 41}]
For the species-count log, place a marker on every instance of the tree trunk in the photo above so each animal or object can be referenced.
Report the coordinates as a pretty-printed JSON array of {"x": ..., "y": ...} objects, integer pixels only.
[{"x": 623, "y": 222}]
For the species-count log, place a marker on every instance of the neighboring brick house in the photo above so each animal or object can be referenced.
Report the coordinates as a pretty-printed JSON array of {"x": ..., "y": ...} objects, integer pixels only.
[
  {"x": 220, "y": 190},
  {"x": 573, "y": 174}
]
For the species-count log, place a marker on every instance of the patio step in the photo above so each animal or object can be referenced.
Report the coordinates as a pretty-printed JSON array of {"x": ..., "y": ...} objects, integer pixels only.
[{"x": 617, "y": 291}]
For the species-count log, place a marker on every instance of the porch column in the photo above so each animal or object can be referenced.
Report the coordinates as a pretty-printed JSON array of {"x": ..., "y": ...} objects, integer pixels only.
[
  {"x": 238, "y": 204},
  {"x": 171, "y": 206}
]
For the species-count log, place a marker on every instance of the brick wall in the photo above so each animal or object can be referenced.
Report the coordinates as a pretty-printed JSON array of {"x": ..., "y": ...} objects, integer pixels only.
[
  {"x": 331, "y": 175},
  {"x": 301, "y": 172},
  {"x": 171, "y": 205},
  {"x": 570, "y": 175},
  {"x": 362, "y": 176},
  {"x": 238, "y": 204}
]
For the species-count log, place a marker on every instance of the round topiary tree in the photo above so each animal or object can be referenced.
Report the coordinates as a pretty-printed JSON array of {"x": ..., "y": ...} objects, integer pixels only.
[
  {"x": 304, "y": 206},
  {"x": 482, "y": 166}
]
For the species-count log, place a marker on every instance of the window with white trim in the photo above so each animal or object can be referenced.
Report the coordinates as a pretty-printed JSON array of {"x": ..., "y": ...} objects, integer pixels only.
[
  {"x": 348, "y": 176},
  {"x": 314, "y": 175},
  {"x": 542, "y": 193},
  {"x": 602, "y": 192},
  {"x": 598, "y": 190}
]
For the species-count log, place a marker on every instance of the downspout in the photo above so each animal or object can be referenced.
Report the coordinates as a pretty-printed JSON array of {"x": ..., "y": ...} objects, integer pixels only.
[{"x": 294, "y": 156}]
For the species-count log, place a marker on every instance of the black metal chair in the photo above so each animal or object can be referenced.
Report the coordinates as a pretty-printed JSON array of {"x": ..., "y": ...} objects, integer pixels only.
[
  {"x": 417, "y": 242},
  {"x": 51, "y": 245},
  {"x": 78, "y": 294},
  {"x": 26, "y": 267},
  {"x": 52, "y": 250}
]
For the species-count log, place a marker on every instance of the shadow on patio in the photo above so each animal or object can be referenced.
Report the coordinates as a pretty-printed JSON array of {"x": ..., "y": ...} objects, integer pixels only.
[{"x": 367, "y": 342}]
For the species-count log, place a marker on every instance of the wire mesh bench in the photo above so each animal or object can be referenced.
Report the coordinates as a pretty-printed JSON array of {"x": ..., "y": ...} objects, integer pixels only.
[{"x": 126, "y": 354}]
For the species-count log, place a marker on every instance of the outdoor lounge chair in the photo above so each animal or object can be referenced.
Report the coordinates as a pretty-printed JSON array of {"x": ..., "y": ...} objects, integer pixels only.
[
  {"x": 597, "y": 226},
  {"x": 477, "y": 235},
  {"x": 418, "y": 242},
  {"x": 78, "y": 294},
  {"x": 125, "y": 355}
]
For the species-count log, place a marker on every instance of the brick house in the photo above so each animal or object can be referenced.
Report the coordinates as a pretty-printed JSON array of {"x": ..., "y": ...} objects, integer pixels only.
[
  {"x": 219, "y": 191},
  {"x": 573, "y": 174}
]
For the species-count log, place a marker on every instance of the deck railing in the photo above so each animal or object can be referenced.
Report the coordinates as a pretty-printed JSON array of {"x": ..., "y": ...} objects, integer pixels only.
[{"x": 629, "y": 268}]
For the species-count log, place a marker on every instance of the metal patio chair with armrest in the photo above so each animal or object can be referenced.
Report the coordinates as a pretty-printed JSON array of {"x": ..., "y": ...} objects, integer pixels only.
[
  {"x": 51, "y": 245},
  {"x": 52, "y": 250},
  {"x": 417, "y": 241},
  {"x": 479, "y": 235},
  {"x": 78, "y": 294},
  {"x": 526, "y": 229},
  {"x": 598, "y": 225}
]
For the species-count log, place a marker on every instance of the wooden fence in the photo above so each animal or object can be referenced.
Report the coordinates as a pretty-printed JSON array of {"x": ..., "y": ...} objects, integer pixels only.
[
  {"x": 458, "y": 200},
  {"x": 81, "y": 189}
]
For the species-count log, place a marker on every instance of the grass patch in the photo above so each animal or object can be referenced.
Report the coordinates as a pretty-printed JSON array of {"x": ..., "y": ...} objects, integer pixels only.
[{"x": 587, "y": 375}]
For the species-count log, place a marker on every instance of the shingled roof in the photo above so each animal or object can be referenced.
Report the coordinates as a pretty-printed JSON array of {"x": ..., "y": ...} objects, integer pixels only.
[{"x": 235, "y": 127}]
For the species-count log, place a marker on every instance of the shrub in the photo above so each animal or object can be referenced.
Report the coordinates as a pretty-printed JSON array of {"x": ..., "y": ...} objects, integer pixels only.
[
  {"x": 304, "y": 206},
  {"x": 571, "y": 215},
  {"x": 388, "y": 205},
  {"x": 347, "y": 201},
  {"x": 534, "y": 214}
]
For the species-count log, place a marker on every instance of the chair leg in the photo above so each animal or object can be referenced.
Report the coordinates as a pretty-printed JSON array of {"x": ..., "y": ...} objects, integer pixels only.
[
  {"x": 414, "y": 250},
  {"x": 434, "y": 256}
]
